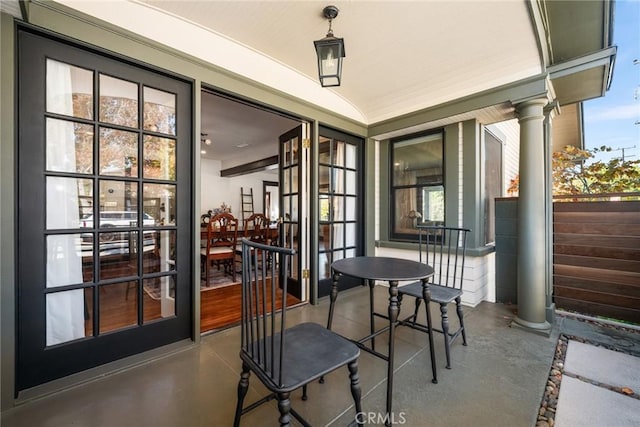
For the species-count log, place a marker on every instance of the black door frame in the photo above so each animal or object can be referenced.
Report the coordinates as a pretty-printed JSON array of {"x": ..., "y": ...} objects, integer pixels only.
[
  {"x": 37, "y": 363},
  {"x": 345, "y": 282}
]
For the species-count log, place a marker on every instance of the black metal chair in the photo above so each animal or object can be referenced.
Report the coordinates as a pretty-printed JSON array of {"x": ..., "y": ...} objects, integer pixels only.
[
  {"x": 444, "y": 249},
  {"x": 284, "y": 359}
]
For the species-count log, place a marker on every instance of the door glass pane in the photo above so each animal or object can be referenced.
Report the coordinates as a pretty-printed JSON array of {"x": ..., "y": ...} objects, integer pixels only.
[
  {"x": 118, "y": 254},
  {"x": 64, "y": 260},
  {"x": 159, "y": 298},
  {"x": 324, "y": 150},
  {"x": 324, "y": 174},
  {"x": 118, "y": 306},
  {"x": 118, "y": 152},
  {"x": 294, "y": 208},
  {"x": 351, "y": 182},
  {"x": 324, "y": 265},
  {"x": 295, "y": 150},
  {"x": 350, "y": 156},
  {"x": 294, "y": 179},
  {"x": 324, "y": 208},
  {"x": 159, "y": 158},
  {"x": 88, "y": 311},
  {"x": 287, "y": 154},
  {"x": 86, "y": 252},
  {"x": 338, "y": 208},
  {"x": 337, "y": 231},
  {"x": 69, "y": 146},
  {"x": 63, "y": 201},
  {"x": 350, "y": 236},
  {"x": 118, "y": 101},
  {"x": 69, "y": 90},
  {"x": 350, "y": 209},
  {"x": 159, "y": 111},
  {"x": 164, "y": 198},
  {"x": 286, "y": 201},
  {"x": 65, "y": 316},
  {"x": 338, "y": 181},
  {"x": 159, "y": 251},
  {"x": 286, "y": 177},
  {"x": 118, "y": 204},
  {"x": 350, "y": 253},
  {"x": 338, "y": 153}
]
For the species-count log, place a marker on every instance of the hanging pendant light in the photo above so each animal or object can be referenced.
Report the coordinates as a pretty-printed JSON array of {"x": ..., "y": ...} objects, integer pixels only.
[{"x": 330, "y": 51}]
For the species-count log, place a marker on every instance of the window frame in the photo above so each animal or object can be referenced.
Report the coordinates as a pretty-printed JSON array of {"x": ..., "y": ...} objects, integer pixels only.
[{"x": 395, "y": 235}]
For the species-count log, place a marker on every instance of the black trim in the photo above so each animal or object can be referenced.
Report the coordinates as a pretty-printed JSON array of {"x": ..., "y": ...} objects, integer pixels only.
[
  {"x": 345, "y": 282},
  {"x": 37, "y": 363}
]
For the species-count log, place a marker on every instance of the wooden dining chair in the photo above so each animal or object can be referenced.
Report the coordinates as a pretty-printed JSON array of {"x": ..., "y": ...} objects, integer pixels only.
[
  {"x": 283, "y": 358},
  {"x": 256, "y": 229},
  {"x": 444, "y": 249},
  {"x": 222, "y": 236}
]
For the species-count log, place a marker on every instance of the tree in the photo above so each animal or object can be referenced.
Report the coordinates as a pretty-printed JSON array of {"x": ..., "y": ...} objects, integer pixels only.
[{"x": 573, "y": 173}]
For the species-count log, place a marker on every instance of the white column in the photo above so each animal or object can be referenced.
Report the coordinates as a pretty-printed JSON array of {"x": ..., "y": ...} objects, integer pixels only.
[{"x": 531, "y": 219}]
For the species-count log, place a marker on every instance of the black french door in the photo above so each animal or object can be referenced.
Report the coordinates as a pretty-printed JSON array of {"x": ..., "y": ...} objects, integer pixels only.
[
  {"x": 340, "y": 193},
  {"x": 293, "y": 164},
  {"x": 104, "y": 209}
]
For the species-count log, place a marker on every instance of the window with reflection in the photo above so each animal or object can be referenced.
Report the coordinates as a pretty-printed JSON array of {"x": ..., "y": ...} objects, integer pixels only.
[{"x": 417, "y": 184}]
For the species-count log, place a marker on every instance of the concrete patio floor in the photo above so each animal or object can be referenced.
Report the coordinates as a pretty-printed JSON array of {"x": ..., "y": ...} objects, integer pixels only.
[{"x": 497, "y": 380}]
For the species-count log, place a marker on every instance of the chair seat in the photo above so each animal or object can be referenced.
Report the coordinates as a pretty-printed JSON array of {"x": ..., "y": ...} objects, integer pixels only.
[
  {"x": 439, "y": 294},
  {"x": 216, "y": 251},
  {"x": 310, "y": 352}
]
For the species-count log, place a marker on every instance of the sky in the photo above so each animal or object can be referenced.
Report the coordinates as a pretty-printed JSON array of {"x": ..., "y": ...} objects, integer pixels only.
[{"x": 614, "y": 120}]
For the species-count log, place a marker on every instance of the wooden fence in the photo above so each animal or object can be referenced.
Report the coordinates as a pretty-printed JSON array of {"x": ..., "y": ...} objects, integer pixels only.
[{"x": 596, "y": 262}]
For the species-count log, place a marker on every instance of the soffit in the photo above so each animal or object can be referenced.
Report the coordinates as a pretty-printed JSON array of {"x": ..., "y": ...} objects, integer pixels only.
[
  {"x": 567, "y": 127},
  {"x": 581, "y": 57}
]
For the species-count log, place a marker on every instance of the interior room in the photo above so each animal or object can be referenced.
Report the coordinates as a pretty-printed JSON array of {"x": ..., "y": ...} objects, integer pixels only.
[{"x": 239, "y": 162}]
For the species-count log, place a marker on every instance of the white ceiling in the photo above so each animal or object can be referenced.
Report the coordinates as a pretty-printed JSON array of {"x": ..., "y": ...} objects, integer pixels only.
[{"x": 401, "y": 56}]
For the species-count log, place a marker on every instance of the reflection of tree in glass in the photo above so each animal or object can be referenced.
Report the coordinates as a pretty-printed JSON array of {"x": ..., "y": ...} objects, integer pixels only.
[
  {"x": 121, "y": 111},
  {"x": 119, "y": 148}
]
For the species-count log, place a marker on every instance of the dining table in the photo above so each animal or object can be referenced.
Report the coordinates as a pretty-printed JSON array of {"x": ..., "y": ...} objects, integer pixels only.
[
  {"x": 393, "y": 271},
  {"x": 272, "y": 233}
]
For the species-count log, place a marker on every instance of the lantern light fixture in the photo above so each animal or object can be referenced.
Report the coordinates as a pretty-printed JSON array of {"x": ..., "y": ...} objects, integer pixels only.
[{"x": 330, "y": 51}]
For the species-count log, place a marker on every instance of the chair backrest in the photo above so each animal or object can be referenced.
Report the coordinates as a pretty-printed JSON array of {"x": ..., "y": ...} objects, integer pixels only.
[
  {"x": 264, "y": 302},
  {"x": 222, "y": 230},
  {"x": 444, "y": 249},
  {"x": 256, "y": 228}
]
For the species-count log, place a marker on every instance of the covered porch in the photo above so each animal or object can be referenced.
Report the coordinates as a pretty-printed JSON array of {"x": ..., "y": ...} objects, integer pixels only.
[{"x": 499, "y": 379}]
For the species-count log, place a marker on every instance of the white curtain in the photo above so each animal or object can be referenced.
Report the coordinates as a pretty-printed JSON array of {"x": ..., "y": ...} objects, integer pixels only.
[{"x": 65, "y": 310}]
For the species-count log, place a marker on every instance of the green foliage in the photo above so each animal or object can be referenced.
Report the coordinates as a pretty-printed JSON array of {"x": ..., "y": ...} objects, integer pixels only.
[{"x": 574, "y": 172}]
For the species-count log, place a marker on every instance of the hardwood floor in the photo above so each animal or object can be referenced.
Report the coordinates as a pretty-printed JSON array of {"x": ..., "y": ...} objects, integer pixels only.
[{"x": 220, "y": 307}]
